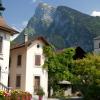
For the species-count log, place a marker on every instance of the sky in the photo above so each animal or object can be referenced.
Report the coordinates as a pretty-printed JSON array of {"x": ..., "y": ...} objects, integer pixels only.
[{"x": 18, "y": 12}]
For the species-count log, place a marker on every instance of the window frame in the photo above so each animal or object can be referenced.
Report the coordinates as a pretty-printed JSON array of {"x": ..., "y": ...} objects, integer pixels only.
[
  {"x": 36, "y": 86},
  {"x": 1, "y": 45},
  {"x": 18, "y": 85},
  {"x": 19, "y": 60},
  {"x": 99, "y": 44},
  {"x": 37, "y": 60}
]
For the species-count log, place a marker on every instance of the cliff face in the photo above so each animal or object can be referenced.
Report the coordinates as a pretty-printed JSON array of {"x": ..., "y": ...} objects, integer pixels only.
[{"x": 62, "y": 26}]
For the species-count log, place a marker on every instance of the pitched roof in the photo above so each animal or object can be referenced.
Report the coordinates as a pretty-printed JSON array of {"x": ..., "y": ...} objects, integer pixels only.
[
  {"x": 5, "y": 27},
  {"x": 97, "y": 38},
  {"x": 28, "y": 43}
]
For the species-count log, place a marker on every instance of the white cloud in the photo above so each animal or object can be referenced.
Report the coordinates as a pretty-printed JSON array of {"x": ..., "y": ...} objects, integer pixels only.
[
  {"x": 16, "y": 28},
  {"x": 19, "y": 29},
  {"x": 34, "y": 1},
  {"x": 95, "y": 13},
  {"x": 24, "y": 23}
]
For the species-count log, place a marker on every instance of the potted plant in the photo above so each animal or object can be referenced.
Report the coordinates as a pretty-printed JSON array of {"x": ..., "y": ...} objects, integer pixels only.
[{"x": 40, "y": 93}]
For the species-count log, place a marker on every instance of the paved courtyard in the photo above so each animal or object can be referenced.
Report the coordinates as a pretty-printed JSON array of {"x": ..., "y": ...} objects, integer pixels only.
[{"x": 44, "y": 98}]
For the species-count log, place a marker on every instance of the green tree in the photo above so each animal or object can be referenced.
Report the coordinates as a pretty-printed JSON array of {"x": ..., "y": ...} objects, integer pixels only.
[
  {"x": 58, "y": 64},
  {"x": 86, "y": 74}
]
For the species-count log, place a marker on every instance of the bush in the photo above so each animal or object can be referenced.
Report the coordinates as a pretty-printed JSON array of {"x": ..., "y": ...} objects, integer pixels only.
[{"x": 40, "y": 92}]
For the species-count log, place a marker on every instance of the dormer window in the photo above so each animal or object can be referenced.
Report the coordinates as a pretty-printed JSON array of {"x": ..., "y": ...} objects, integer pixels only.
[{"x": 1, "y": 40}]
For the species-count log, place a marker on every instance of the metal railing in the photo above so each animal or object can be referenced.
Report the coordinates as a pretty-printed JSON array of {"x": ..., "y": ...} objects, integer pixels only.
[{"x": 3, "y": 87}]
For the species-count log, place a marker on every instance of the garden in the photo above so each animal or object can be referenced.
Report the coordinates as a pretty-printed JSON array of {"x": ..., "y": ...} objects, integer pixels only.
[{"x": 15, "y": 95}]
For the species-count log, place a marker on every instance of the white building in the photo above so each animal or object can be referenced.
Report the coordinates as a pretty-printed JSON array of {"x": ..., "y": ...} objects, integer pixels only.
[
  {"x": 97, "y": 45},
  {"x": 26, "y": 67},
  {"x": 5, "y": 33}
]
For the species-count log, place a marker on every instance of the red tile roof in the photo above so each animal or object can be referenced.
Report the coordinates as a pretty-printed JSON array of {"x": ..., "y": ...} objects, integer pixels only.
[{"x": 5, "y": 27}]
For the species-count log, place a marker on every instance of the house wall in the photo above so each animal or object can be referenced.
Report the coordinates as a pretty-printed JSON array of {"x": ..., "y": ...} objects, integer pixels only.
[
  {"x": 32, "y": 70},
  {"x": 4, "y": 57},
  {"x": 96, "y": 46},
  {"x": 18, "y": 70}
]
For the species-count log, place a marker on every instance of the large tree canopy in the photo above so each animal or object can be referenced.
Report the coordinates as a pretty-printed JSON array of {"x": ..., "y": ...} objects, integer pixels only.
[
  {"x": 58, "y": 63},
  {"x": 86, "y": 74}
]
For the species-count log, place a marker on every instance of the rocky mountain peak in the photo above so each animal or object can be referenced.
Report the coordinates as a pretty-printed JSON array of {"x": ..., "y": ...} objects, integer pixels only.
[
  {"x": 62, "y": 26},
  {"x": 44, "y": 11}
]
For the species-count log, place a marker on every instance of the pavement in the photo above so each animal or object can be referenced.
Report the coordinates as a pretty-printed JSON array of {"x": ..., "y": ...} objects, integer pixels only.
[{"x": 45, "y": 98}]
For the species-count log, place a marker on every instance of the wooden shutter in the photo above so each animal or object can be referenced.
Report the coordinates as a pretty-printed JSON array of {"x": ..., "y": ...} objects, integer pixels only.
[{"x": 37, "y": 60}]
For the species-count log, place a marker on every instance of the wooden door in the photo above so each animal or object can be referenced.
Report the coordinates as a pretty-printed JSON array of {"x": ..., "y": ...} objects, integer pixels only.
[{"x": 36, "y": 83}]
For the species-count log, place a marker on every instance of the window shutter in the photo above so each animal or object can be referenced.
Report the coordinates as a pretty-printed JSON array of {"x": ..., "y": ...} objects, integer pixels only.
[
  {"x": 37, "y": 60},
  {"x": 1, "y": 40}
]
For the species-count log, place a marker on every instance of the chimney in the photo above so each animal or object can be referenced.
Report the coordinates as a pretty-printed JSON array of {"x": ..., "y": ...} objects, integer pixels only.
[{"x": 25, "y": 37}]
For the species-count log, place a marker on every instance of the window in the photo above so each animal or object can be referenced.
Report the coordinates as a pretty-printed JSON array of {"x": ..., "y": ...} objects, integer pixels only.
[
  {"x": 10, "y": 62},
  {"x": 18, "y": 81},
  {"x": 38, "y": 45},
  {"x": 36, "y": 83},
  {"x": 19, "y": 59},
  {"x": 0, "y": 73},
  {"x": 99, "y": 45},
  {"x": 37, "y": 60},
  {"x": 8, "y": 81},
  {"x": 1, "y": 40}
]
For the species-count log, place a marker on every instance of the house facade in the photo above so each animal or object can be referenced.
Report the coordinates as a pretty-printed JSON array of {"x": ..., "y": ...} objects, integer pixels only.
[
  {"x": 26, "y": 67},
  {"x": 5, "y": 33}
]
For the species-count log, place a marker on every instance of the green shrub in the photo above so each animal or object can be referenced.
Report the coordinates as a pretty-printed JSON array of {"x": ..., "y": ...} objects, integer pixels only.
[{"x": 40, "y": 92}]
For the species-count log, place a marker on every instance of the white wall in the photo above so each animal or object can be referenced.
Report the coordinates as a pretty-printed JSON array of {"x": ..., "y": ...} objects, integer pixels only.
[
  {"x": 32, "y": 70},
  {"x": 5, "y": 55},
  {"x": 96, "y": 46}
]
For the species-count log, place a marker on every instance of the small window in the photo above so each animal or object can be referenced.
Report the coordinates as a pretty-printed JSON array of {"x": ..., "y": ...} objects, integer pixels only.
[
  {"x": 38, "y": 46},
  {"x": 0, "y": 73},
  {"x": 99, "y": 45},
  {"x": 8, "y": 81},
  {"x": 37, "y": 60},
  {"x": 19, "y": 60},
  {"x": 1, "y": 40},
  {"x": 10, "y": 62},
  {"x": 18, "y": 81}
]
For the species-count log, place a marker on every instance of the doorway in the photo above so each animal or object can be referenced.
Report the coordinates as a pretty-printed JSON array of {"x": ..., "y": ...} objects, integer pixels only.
[{"x": 36, "y": 83}]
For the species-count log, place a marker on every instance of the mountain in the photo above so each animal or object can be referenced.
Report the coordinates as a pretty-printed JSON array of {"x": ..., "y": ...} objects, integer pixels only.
[{"x": 62, "y": 27}]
